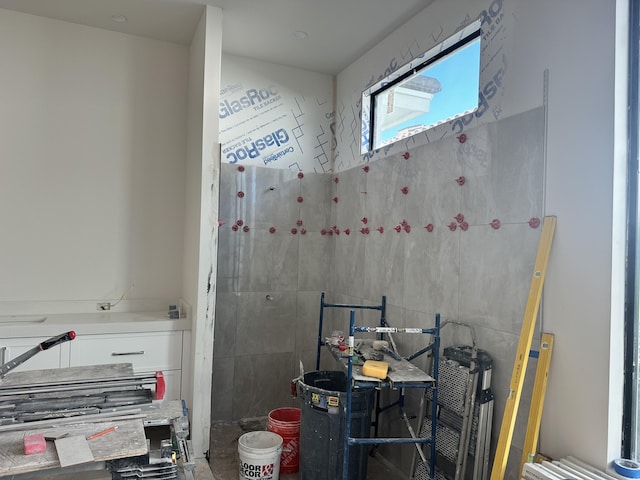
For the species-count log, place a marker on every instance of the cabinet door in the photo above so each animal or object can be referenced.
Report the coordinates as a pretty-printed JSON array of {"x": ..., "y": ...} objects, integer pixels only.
[{"x": 55, "y": 357}]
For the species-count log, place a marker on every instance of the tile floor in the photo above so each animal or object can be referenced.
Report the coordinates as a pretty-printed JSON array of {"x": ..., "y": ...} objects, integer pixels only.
[{"x": 224, "y": 453}]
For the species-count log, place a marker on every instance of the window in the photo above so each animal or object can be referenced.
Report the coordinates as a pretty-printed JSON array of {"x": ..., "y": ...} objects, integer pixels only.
[{"x": 436, "y": 87}]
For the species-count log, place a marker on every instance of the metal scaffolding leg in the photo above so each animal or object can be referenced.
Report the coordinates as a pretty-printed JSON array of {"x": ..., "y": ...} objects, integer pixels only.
[{"x": 431, "y": 387}]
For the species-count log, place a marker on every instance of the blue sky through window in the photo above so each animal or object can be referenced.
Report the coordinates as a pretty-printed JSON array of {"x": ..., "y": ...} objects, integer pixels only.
[{"x": 459, "y": 76}]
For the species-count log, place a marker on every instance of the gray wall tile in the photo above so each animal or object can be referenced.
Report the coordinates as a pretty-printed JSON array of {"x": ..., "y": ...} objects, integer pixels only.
[
  {"x": 351, "y": 192},
  {"x": 222, "y": 389},
  {"x": 267, "y": 262},
  {"x": 504, "y": 169},
  {"x": 225, "y": 325},
  {"x": 228, "y": 253},
  {"x": 386, "y": 204},
  {"x": 347, "y": 266},
  {"x": 476, "y": 275},
  {"x": 432, "y": 270},
  {"x": 308, "y": 313},
  {"x": 266, "y": 321},
  {"x": 315, "y": 189},
  {"x": 435, "y": 195},
  {"x": 384, "y": 265},
  {"x": 495, "y": 274},
  {"x": 313, "y": 261},
  {"x": 261, "y": 384},
  {"x": 270, "y": 198},
  {"x": 231, "y": 182}
]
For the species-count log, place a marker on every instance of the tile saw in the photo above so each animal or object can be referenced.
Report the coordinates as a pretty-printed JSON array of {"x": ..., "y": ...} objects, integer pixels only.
[{"x": 35, "y": 395}]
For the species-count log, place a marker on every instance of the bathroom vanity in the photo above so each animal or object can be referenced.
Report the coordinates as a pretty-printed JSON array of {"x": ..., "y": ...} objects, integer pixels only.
[{"x": 148, "y": 340}]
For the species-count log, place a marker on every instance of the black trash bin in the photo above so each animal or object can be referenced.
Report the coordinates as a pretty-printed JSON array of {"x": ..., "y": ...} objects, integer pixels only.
[{"x": 323, "y": 424}]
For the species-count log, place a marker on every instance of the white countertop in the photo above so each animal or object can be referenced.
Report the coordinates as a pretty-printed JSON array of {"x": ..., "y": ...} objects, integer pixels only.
[{"x": 90, "y": 323}]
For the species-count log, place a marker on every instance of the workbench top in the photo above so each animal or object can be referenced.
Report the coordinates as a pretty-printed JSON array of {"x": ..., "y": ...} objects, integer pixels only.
[
  {"x": 90, "y": 323},
  {"x": 400, "y": 371},
  {"x": 127, "y": 441}
]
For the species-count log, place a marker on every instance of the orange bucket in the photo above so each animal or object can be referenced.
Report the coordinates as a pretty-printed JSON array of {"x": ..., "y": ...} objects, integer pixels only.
[{"x": 286, "y": 423}]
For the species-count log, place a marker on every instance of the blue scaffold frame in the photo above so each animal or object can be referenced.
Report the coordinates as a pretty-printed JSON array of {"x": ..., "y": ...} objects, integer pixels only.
[{"x": 431, "y": 383}]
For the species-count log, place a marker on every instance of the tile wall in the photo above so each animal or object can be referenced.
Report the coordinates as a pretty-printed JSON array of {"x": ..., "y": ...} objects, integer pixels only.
[
  {"x": 272, "y": 266},
  {"x": 448, "y": 227}
]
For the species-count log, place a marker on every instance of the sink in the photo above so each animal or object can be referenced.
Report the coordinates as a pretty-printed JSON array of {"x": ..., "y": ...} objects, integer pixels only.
[{"x": 6, "y": 319}]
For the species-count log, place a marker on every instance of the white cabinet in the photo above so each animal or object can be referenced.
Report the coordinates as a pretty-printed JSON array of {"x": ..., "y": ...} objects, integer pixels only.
[
  {"x": 147, "y": 352},
  {"x": 55, "y": 357}
]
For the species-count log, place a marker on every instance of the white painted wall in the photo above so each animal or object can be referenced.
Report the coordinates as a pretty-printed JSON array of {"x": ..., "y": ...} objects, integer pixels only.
[
  {"x": 582, "y": 410},
  {"x": 106, "y": 139},
  {"x": 579, "y": 413},
  {"x": 193, "y": 210},
  {"x": 574, "y": 41},
  {"x": 92, "y": 164},
  {"x": 201, "y": 247}
]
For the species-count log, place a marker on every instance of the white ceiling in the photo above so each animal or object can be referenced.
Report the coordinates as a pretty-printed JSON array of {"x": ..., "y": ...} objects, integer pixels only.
[{"x": 339, "y": 31}]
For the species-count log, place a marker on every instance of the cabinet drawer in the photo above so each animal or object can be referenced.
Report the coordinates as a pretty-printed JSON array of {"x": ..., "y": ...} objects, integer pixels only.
[
  {"x": 145, "y": 351},
  {"x": 53, "y": 358}
]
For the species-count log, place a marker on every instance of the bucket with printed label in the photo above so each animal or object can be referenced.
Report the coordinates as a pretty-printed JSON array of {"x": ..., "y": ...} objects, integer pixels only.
[
  {"x": 259, "y": 454},
  {"x": 286, "y": 423}
]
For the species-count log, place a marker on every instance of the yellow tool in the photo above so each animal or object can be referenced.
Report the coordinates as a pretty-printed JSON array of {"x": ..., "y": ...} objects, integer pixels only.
[
  {"x": 537, "y": 401},
  {"x": 524, "y": 345}
]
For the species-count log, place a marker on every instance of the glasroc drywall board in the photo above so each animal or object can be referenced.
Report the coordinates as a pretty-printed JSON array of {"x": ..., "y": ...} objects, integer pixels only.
[{"x": 275, "y": 116}]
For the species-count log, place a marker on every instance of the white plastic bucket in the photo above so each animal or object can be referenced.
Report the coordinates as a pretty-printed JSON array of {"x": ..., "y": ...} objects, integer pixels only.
[{"x": 260, "y": 455}]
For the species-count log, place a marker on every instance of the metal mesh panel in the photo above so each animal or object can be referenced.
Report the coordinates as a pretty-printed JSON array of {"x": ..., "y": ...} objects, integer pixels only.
[
  {"x": 452, "y": 385},
  {"x": 422, "y": 473},
  {"x": 452, "y": 388},
  {"x": 453, "y": 378},
  {"x": 447, "y": 439},
  {"x": 450, "y": 419}
]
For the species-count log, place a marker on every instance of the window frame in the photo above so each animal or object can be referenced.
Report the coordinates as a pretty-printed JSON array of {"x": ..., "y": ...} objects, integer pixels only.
[
  {"x": 630, "y": 423},
  {"x": 455, "y": 42}
]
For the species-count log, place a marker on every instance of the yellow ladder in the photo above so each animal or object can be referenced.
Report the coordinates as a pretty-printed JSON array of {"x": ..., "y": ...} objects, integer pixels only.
[
  {"x": 537, "y": 401},
  {"x": 524, "y": 346}
]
